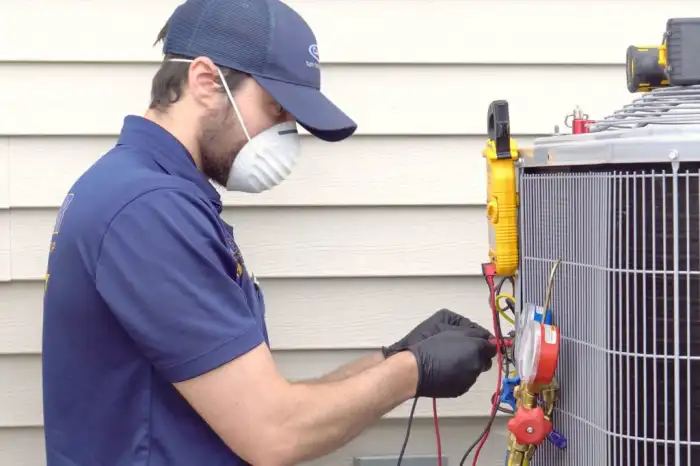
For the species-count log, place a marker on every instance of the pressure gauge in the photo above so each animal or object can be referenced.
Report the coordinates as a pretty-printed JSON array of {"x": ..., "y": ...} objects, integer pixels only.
[
  {"x": 537, "y": 352},
  {"x": 526, "y": 314}
]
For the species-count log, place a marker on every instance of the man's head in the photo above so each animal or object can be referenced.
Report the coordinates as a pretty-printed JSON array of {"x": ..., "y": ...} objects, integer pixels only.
[
  {"x": 192, "y": 93},
  {"x": 268, "y": 58}
]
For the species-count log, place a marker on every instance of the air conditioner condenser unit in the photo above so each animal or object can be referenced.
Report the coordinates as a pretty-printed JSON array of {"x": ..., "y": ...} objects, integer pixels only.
[{"x": 615, "y": 208}]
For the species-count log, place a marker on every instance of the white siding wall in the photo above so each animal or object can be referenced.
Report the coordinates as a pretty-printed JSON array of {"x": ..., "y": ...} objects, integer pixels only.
[{"x": 380, "y": 230}]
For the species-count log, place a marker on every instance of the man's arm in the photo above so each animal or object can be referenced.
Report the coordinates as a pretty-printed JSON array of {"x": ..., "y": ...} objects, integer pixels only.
[
  {"x": 350, "y": 369},
  {"x": 270, "y": 422},
  {"x": 442, "y": 320},
  {"x": 166, "y": 276}
]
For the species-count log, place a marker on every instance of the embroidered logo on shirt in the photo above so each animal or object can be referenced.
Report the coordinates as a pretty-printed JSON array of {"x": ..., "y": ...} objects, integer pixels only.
[
  {"x": 237, "y": 255},
  {"x": 61, "y": 213}
]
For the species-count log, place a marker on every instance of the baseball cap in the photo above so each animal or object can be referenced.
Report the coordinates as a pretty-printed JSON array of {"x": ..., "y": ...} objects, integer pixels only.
[{"x": 268, "y": 40}]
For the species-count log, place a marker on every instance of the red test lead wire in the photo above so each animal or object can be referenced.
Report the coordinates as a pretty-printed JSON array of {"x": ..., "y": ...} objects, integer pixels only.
[
  {"x": 489, "y": 273},
  {"x": 506, "y": 342}
]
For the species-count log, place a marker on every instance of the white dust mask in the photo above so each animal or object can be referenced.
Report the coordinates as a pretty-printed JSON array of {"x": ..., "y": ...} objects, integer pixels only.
[{"x": 265, "y": 160}]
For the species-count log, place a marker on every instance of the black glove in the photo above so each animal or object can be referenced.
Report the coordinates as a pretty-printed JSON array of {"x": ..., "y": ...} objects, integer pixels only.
[
  {"x": 442, "y": 320},
  {"x": 450, "y": 362}
]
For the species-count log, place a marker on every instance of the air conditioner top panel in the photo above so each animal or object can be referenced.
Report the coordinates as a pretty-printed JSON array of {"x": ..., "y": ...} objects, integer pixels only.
[
  {"x": 658, "y": 127},
  {"x": 651, "y": 144}
]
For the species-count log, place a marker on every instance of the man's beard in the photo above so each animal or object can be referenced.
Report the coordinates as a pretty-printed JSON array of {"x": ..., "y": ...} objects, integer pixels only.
[{"x": 218, "y": 148}]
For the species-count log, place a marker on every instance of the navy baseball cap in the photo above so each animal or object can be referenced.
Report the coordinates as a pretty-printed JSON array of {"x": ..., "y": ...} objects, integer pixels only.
[{"x": 268, "y": 40}]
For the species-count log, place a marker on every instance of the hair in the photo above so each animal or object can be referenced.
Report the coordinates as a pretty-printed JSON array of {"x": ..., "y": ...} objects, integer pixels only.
[{"x": 171, "y": 78}]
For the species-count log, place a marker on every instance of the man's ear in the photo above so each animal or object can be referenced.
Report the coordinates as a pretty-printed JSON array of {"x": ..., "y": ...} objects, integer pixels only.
[{"x": 204, "y": 80}]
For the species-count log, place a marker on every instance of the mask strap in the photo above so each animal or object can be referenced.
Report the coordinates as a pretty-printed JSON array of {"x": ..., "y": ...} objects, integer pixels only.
[{"x": 228, "y": 93}]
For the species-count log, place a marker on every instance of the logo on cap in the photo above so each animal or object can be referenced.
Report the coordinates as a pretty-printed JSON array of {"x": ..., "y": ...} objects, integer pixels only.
[
  {"x": 313, "y": 51},
  {"x": 316, "y": 63}
]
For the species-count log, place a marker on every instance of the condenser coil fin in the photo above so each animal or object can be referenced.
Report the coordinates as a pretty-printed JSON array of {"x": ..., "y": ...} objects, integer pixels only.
[{"x": 626, "y": 297}]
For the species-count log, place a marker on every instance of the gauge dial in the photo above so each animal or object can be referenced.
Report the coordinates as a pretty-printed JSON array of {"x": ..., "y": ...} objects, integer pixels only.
[
  {"x": 526, "y": 314},
  {"x": 528, "y": 353}
]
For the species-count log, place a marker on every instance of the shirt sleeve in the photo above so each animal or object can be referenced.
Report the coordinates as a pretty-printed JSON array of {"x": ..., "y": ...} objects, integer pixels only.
[{"x": 166, "y": 275}]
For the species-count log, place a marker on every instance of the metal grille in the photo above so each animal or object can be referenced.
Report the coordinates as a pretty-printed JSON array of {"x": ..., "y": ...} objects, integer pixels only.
[{"x": 627, "y": 301}]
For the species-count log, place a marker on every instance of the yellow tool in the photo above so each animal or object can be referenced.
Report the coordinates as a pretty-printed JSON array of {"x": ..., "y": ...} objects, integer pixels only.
[
  {"x": 501, "y": 154},
  {"x": 646, "y": 68},
  {"x": 676, "y": 62}
]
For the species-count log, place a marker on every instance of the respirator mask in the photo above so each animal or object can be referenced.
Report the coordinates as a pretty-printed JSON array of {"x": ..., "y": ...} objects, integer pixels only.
[{"x": 266, "y": 159}]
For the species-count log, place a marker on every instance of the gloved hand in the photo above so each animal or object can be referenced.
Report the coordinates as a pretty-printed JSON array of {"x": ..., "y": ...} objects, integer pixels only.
[
  {"x": 441, "y": 321},
  {"x": 450, "y": 362}
]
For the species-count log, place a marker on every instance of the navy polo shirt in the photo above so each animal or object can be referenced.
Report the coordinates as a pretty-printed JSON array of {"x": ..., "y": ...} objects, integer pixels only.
[{"x": 145, "y": 287}]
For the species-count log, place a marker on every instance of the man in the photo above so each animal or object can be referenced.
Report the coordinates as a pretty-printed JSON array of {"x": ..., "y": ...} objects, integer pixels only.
[{"x": 155, "y": 349}]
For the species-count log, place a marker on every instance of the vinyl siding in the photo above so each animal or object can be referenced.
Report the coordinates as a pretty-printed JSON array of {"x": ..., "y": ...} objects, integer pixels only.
[{"x": 380, "y": 230}]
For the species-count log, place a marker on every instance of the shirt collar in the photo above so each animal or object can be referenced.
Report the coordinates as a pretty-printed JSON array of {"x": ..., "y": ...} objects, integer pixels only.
[{"x": 167, "y": 151}]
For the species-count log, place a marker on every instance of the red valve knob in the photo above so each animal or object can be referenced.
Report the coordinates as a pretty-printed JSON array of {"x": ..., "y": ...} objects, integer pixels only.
[{"x": 529, "y": 427}]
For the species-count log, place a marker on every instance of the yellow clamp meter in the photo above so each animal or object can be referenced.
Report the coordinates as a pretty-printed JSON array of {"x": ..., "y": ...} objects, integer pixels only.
[{"x": 501, "y": 153}]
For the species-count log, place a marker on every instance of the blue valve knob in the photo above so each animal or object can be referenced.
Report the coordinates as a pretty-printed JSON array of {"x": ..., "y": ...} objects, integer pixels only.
[
  {"x": 508, "y": 392},
  {"x": 557, "y": 439}
]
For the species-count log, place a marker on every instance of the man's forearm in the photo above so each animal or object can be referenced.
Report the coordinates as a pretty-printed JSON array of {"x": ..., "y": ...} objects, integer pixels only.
[
  {"x": 316, "y": 419},
  {"x": 350, "y": 369}
]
